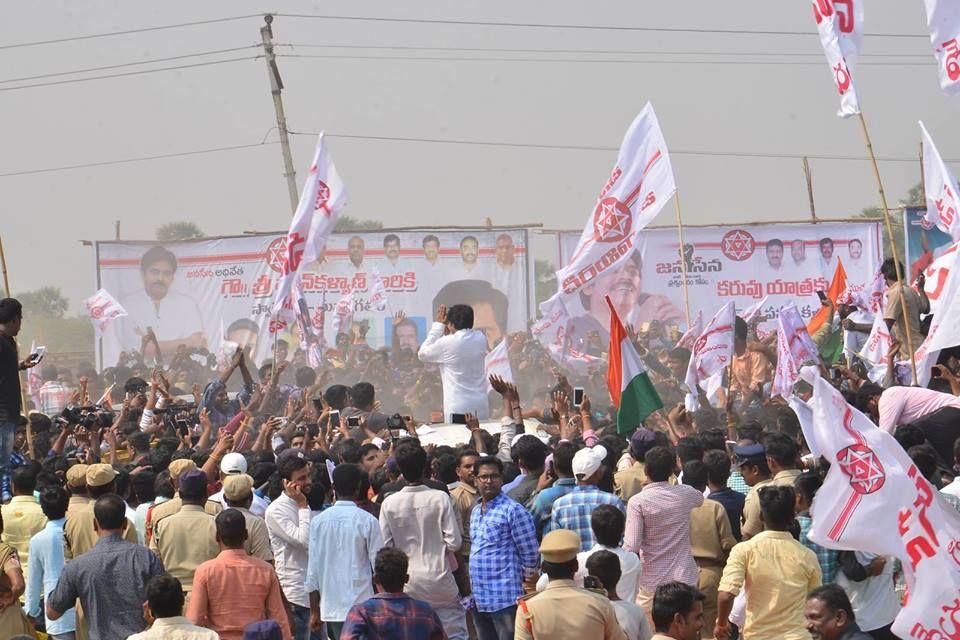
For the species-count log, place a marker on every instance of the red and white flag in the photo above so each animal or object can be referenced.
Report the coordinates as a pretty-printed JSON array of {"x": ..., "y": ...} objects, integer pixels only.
[
  {"x": 875, "y": 500},
  {"x": 641, "y": 183},
  {"x": 945, "y": 327},
  {"x": 877, "y": 347},
  {"x": 552, "y": 331},
  {"x": 321, "y": 201},
  {"x": 692, "y": 333},
  {"x": 795, "y": 348},
  {"x": 840, "y": 24},
  {"x": 713, "y": 350},
  {"x": 940, "y": 186},
  {"x": 103, "y": 309},
  {"x": 867, "y": 297},
  {"x": 943, "y": 20},
  {"x": 497, "y": 362},
  {"x": 378, "y": 293},
  {"x": 751, "y": 312},
  {"x": 937, "y": 276},
  {"x": 343, "y": 313}
]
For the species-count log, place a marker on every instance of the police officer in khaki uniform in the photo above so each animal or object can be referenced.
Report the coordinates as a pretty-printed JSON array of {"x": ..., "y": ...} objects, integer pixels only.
[
  {"x": 564, "y": 611},
  {"x": 78, "y": 531},
  {"x": 238, "y": 494},
  {"x": 77, "y": 486},
  {"x": 177, "y": 468},
  {"x": 187, "y": 538}
]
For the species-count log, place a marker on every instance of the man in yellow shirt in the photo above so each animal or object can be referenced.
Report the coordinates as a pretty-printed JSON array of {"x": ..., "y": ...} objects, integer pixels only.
[
  {"x": 750, "y": 369},
  {"x": 22, "y": 516},
  {"x": 780, "y": 572}
]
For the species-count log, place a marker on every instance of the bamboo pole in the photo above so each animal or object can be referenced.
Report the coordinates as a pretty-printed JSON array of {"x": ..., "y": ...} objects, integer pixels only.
[
  {"x": 683, "y": 260},
  {"x": 23, "y": 389},
  {"x": 809, "y": 176},
  {"x": 893, "y": 246},
  {"x": 923, "y": 179}
]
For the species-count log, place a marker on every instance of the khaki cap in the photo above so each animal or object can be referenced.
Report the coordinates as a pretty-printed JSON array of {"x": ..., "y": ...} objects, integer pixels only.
[
  {"x": 560, "y": 545},
  {"x": 237, "y": 486},
  {"x": 77, "y": 475},
  {"x": 178, "y": 466},
  {"x": 100, "y": 474}
]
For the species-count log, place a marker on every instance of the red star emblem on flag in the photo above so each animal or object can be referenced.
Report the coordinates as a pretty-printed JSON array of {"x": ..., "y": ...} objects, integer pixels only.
[
  {"x": 611, "y": 221},
  {"x": 738, "y": 245},
  {"x": 863, "y": 467},
  {"x": 277, "y": 254}
]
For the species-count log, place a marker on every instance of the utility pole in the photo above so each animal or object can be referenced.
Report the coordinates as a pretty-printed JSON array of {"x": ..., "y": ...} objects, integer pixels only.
[
  {"x": 116, "y": 230},
  {"x": 276, "y": 86}
]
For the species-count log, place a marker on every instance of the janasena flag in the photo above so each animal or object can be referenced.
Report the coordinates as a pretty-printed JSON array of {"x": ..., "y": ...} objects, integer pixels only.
[
  {"x": 940, "y": 186},
  {"x": 945, "y": 328},
  {"x": 943, "y": 20},
  {"x": 321, "y": 201},
  {"x": 713, "y": 350},
  {"x": 640, "y": 184},
  {"x": 630, "y": 388},
  {"x": 795, "y": 348},
  {"x": 554, "y": 332},
  {"x": 875, "y": 500},
  {"x": 497, "y": 362},
  {"x": 840, "y": 25},
  {"x": 103, "y": 309}
]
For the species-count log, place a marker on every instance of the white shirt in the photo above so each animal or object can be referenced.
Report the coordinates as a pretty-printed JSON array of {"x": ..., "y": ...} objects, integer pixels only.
[
  {"x": 458, "y": 270},
  {"x": 461, "y": 358},
  {"x": 632, "y": 620},
  {"x": 176, "y": 628},
  {"x": 289, "y": 529},
  {"x": 630, "y": 568},
  {"x": 874, "y": 600},
  {"x": 344, "y": 541},
  {"x": 509, "y": 280},
  {"x": 422, "y": 523},
  {"x": 854, "y": 341},
  {"x": 258, "y": 507},
  {"x": 176, "y": 317}
]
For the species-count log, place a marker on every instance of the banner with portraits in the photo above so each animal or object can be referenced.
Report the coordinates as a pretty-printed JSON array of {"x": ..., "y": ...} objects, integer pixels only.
[
  {"x": 783, "y": 262},
  {"x": 205, "y": 293},
  {"x": 923, "y": 241}
]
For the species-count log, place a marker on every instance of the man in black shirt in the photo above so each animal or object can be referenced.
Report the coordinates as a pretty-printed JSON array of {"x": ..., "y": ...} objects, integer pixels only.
[{"x": 11, "y": 316}]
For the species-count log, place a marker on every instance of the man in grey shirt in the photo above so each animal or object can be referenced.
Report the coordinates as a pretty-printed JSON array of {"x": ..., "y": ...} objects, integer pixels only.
[{"x": 109, "y": 580}]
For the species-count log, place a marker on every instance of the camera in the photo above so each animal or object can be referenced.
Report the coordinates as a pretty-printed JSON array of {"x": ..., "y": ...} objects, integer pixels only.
[
  {"x": 91, "y": 417},
  {"x": 395, "y": 422}
]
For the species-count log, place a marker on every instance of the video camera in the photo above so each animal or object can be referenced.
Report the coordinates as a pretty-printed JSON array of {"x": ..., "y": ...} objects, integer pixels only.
[{"x": 90, "y": 417}]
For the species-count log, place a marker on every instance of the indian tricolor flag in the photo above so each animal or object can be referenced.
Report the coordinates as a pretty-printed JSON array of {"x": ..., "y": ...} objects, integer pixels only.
[{"x": 630, "y": 388}]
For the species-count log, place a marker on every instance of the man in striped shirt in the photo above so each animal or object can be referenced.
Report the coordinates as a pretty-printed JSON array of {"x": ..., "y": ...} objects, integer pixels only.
[
  {"x": 658, "y": 525},
  {"x": 573, "y": 510}
]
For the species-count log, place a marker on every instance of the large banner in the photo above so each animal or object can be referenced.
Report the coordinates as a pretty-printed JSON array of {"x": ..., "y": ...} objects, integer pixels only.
[
  {"x": 785, "y": 262},
  {"x": 204, "y": 292},
  {"x": 923, "y": 241}
]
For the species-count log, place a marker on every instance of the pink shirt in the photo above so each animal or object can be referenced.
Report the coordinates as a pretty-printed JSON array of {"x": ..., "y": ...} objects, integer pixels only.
[
  {"x": 658, "y": 527},
  {"x": 903, "y": 405}
]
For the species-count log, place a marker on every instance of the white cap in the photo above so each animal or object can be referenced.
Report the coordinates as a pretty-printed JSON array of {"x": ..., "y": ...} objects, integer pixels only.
[
  {"x": 588, "y": 460},
  {"x": 233, "y": 463}
]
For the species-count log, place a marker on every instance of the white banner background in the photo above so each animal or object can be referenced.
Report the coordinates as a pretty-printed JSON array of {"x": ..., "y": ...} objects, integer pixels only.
[
  {"x": 228, "y": 282},
  {"x": 732, "y": 263}
]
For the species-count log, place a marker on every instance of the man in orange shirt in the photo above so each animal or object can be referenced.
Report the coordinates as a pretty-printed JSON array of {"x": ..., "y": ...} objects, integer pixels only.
[
  {"x": 234, "y": 589},
  {"x": 750, "y": 368}
]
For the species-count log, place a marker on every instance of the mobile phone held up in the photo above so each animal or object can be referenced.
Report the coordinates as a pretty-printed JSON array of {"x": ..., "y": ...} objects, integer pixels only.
[
  {"x": 353, "y": 421},
  {"x": 335, "y": 419},
  {"x": 458, "y": 418},
  {"x": 822, "y": 296},
  {"x": 577, "y": 396}
]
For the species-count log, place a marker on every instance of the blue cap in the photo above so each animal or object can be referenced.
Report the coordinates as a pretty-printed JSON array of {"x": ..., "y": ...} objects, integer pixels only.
[{"x": 750, "y": 452}]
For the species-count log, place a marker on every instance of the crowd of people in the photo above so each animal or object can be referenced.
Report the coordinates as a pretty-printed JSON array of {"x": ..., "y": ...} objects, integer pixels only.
[{"x": 203, "y": 499}]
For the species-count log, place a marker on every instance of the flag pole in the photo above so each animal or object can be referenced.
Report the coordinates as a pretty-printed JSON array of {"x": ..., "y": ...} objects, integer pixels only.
[
  {"x": 893, "y": 246},
  {"x": 23, "y": 389},
  {"x": 809, "y": 176},
  {"x": 683, "y": 257},
  {"x": 923, "y": 179}
]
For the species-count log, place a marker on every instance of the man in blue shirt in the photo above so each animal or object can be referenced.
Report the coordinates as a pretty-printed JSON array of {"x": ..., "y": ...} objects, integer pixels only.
[
  {"x": 503, "y": 553},
  {"x": 46, "y": 562},
  {"x": 562, "y": 467}
]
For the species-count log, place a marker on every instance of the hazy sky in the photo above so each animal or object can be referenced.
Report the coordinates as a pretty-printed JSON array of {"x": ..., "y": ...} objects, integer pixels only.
[{"x": 729, "y": 107}]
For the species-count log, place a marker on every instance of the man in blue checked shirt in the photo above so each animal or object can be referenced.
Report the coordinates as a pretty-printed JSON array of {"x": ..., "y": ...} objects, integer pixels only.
[
  {"x": 46, "y": 561},
  {"x": 503, "y": 554},
  {"x": 573, "y": 510}
]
